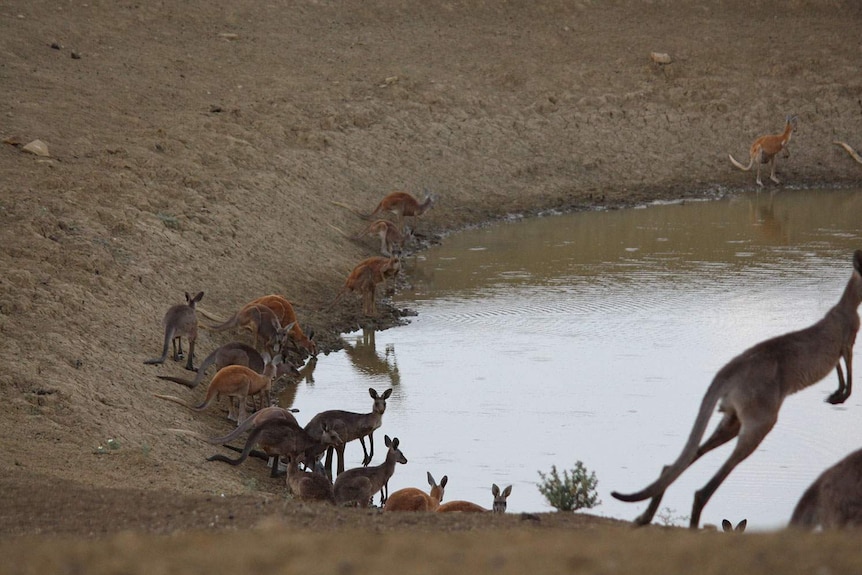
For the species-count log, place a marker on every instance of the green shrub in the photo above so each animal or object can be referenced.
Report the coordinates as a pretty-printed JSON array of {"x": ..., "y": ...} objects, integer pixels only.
[{"x": 575, "y": 490}]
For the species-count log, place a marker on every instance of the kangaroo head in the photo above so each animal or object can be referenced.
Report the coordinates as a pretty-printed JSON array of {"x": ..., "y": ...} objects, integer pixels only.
[
  {"x": 727, "y": 526},
  {"x": 500, "y": 498},
  {"x": 392, "y": 444},
  {"x": 191, "y": 301},
  {"x": 379, "y": 400},
  {"x": 437, "y": 489}
]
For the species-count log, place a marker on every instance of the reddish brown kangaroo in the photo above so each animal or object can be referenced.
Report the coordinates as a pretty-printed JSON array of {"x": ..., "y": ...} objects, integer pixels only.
[
  {"x": 358, "y": 485},
  {"x": 499, "y": 506},
  {"x": 413, "y": 499},
  {"x": 234, "y": 353},
  {"x": 750, "y": 389},
  {"x": 364, "y": 279},
  {"x": 180, "y": 320},
  {"x": 765, "y": 148},
  {"x": 391, "y": 237},
  {"x": 834, "y": 500},
  {"x": 402, "y": 204},
  {"x": 286, "y": 315},
  {"x": 350, "y": 426},
  {"x": 234, "y": 381},
  {"x": 260, "y": 320}
]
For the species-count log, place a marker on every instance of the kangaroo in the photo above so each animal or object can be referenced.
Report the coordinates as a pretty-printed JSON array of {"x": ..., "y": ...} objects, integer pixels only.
[
  {"x": 364, "y": 279},
  {"x": 728, "y": 527},
  {"x": 235, "y": 353},
  {"x": 402, "y": 204},
  {"x": 309, "y": 485},
  {"x": 180, "y": 320},
  {"x": 234, "y": 381},
  {"x": 350, "y": 426},
  {"x": 392, "y": 238},
  {"x": 834, "y": 500},
  {"x": 286, "y": 315},
  {"x": 750, "y": 389},
  {"x": 358, "y": 485},
  {"x": 260, "y": 320},
  {"x": 765, "y": 148},
  {"x": 412, "y": 499},
  {"x": 282, "y": 437},
  {"x": 499, "y": 506},
  {"x": 849, "y": 150},
  {"x": 256, "y": 419}
]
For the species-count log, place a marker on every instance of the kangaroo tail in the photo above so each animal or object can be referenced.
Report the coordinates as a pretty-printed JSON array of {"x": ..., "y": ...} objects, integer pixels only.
[
  {"x": 199, "y": 407},
  {"x": 352, "y": 209},
  {"x": 689, "y": 452},
  {"x": 169, "y": 335},
  {"x": 249, "y": 444},
  {"x": 850, "y": 151},
  {"x": 189, "y": 433},
  {"x": 190, "y": 383},
  {"x": 222, "y": 324},
  {"x": 247, "y": 423},
  {"x": 740, "y": 166},
  {"x": 340, "y": 231}
]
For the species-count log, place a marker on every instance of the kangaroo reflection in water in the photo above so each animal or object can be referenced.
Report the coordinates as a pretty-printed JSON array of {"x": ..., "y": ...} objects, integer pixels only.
[{"x": 365, "y": 358}]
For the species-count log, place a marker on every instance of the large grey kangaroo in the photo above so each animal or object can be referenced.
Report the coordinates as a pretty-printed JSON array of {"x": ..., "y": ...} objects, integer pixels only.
[{"x": 751, "y": 388}]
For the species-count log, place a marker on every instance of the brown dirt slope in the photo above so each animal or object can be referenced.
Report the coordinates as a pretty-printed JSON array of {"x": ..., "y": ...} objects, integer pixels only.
[{"x": 199, "y": 146}]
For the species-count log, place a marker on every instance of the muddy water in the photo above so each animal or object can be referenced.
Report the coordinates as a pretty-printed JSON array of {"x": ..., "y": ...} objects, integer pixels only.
[{"x": 593, "y": 337}]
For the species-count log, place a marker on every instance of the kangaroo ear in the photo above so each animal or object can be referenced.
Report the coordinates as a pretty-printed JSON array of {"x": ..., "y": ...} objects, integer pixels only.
[
  {"x": 741, "y": 525},
  {"x": 387, "y": 393},
  {"x": 373, "y": 393},
  {"x": 431, "y": 481},
  {"x": 444, "y": 481},
  {"x": 495, "y": 491},
  {"x": 188, "y": 298},
  {"x": 387, "y": 441},
  {"x": 395, "y": 443},
  {"x": 508, "y": 491},
  {"x": 725, "y": 524},
  {"x": 199, "y": 297}
]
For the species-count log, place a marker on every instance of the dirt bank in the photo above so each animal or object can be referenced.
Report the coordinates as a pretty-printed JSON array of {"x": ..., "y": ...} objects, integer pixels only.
[{"x": 200, "y": 147}]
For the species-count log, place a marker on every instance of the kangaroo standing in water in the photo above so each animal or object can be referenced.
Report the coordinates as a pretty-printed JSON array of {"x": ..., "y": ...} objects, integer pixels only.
[
  {"x": 180, "y": 320},
  {"x": 751, "y": 388},
  {"x": 834, "y": 500}
]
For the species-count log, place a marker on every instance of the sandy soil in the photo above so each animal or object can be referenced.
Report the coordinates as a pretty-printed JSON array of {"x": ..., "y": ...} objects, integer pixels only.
[{"x": 199, "y": 147}]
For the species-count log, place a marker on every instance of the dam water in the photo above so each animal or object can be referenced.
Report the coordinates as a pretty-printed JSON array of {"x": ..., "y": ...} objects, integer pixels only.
[{"x": 592, "y": 337}]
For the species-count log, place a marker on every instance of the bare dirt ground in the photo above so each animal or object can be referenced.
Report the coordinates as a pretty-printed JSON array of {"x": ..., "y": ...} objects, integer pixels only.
[{"x": 199, "y": 146}]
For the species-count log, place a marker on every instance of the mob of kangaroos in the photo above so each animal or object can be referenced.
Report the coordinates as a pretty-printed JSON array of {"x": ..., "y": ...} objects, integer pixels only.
[{"x": 750, "y": 389}]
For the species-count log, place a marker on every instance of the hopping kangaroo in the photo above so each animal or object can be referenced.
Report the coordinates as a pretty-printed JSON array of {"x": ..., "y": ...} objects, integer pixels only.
[
  {"x": 261, "y": 321},
  {"x": 751, "y": 388},
  {"x": 412, "y": 499},
  {"x": 499, "y": 506},
  {"x": 282, "y": 437},
  {"x": 180, "y": 320},
  {"x": 834, "y": 500},
  {"x": 765, "y": 148},
  {"x": 234, "y": 381},
  {"x": 350, "y": 426},
  {"x": 364, "y": 279},
  {"x": 358, "y": 485},
  {"x": 402, "y": 204},
  {"x": 234, "y": 353}
]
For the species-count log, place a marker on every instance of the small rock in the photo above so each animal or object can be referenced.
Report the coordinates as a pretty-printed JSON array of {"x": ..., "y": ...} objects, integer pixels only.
[
  {"x": 55, "y": 45},
  {"x": 75, "y": 55},
  {"x": 37, "y": 147},
  {"x": 660, "y": 57},
  {"x": 228, "y": 35}
]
